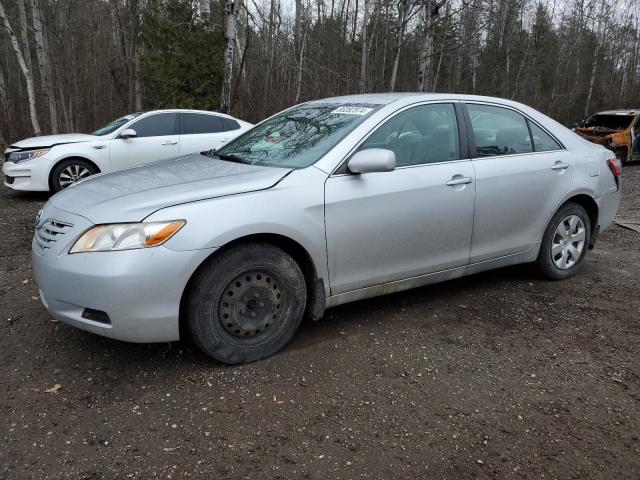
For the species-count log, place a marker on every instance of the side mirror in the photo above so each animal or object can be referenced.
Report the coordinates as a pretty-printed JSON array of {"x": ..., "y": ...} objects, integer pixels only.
[
  {"x": 372, "y": 160},
  {"x": 128, "y": 133}
]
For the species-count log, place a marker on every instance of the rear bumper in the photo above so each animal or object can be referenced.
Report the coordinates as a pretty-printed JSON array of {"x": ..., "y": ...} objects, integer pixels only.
[{"x": 608, "y": 205}]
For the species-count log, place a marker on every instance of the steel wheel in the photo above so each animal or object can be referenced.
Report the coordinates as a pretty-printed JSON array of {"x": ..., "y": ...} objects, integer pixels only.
[
  {"x": 72, "y": 174},
  {"x": 568, "y": 242},
  {"x": 250, "y": 304}
]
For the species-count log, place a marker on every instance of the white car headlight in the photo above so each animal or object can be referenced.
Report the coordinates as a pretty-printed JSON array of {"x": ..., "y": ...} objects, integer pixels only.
[
  {"x": 126, "y": 236},
  {"x": 18, "y": 157}
]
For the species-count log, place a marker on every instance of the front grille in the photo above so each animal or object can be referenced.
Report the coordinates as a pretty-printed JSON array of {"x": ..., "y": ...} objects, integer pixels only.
[{"x": 48, "y": 233}]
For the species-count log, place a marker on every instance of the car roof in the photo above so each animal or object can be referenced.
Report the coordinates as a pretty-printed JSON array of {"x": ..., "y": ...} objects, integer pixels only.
[
  {"x": 409, "y": 97},
  {"x": 189, "y": 110},
  {"x": 630, "y": 111}
]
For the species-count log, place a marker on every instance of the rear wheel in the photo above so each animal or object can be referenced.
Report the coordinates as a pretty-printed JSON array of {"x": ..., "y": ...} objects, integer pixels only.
[
  {"x": 565, "y": 242},
  {"x": 246, "y": 303},
  {"x": 70, "y": 171}
]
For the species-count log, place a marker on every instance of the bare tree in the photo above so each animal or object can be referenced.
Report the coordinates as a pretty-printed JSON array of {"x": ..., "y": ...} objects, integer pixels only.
[
  {"x": 231, "y": 13},
  {"x": 44, "y": 65},
  {"x": 28, "y": 76}
]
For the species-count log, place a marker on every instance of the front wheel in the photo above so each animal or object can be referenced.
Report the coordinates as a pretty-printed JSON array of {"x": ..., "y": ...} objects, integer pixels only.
[
  {"x": 565, "y": 242},
  {"x": 68, "y": 172},
  {"x": 246, "y": 303}
]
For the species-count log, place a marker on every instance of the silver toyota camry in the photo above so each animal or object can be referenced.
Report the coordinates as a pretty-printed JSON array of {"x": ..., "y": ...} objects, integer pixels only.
[{"x": 325, "y": 203}]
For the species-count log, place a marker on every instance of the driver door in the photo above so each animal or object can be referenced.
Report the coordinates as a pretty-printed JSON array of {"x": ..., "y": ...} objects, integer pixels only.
[
  {"x": 156, "y": 139},
  {"x": 418, "y": 219}
]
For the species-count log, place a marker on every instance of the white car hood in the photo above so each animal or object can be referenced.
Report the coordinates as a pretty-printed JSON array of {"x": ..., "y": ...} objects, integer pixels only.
[
  {"x": 51, "y": 140},
  {"x": 132, "y": 194}
]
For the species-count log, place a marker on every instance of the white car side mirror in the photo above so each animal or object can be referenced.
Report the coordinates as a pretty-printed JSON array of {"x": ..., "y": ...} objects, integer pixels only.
[
  {"x": 372, "y": 160},
  {"x": 128, "y": 133}
]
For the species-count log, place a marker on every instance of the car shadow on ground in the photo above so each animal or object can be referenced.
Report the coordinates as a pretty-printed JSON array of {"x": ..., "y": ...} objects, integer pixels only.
[{"x": 85, "y": 347}]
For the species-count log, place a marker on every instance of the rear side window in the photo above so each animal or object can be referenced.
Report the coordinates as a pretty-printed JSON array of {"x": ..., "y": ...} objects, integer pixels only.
[
  {"x": 230, "y": 124},
  {"x": 195, "y": 123},
  {"x": 499, "y": 131},
  {"x": 156, "y": 125},
  {"x": 542, "y": 141},
  {"x": 419, "y": 135}
]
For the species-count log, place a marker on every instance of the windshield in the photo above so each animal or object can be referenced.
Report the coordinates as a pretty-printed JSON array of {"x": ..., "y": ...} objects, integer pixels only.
[
  {"x": 298, "y": 137},
  {"x": 611, "y": 122},
  {"x": 115, "y": 124}
]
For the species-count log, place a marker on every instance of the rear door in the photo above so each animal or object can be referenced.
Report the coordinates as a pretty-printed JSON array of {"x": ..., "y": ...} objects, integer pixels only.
[
  {"x": 200, "y": 132},
  {"x": 417, "y": 219},
  {"x": 522, "y": 173},
  {"x": 156, "y": 139}
]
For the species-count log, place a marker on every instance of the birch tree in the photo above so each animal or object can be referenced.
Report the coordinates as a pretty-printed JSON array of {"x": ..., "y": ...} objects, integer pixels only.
[
  {"x": 230, "y": 38},
  {"x": 28, "y": 76},
  {"x": 44, "y": 65}
]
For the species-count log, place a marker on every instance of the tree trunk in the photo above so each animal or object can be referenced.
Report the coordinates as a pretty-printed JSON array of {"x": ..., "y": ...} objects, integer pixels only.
[
  {"x": 230, "y": 36},
  {"x": 364, "y": 52},
  {"x": 402, "y": 14},
  {"x": 205, "y": 9},
  {"x": 426, "y": 49},
  {"x": 24, "y": 33},
  {"x": 600, "y": 39},
  {"x": 28, "y": 76},
  {"x": 44, "y": 65},
  {"x": 300, "y": 64}
]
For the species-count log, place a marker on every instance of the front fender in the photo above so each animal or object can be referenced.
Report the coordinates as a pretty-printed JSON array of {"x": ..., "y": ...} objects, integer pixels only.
[{"x": 294, "y": 209}]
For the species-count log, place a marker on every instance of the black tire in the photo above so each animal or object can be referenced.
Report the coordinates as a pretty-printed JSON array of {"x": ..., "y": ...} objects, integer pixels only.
[
  {"x": 246, "y": 303},
  {"x": 551, "y": 238},
  {"x": 60, "y": 173}
]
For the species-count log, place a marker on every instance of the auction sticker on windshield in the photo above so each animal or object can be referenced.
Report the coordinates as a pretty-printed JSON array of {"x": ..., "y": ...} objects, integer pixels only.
[{"x": 352, "y": 110}]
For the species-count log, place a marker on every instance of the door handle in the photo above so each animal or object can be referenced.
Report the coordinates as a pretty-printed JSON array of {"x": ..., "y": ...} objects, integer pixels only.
[
  {"x": 169, "y": 142},
  {"x": 459, "y": 181},
  {"x": 560, "y": 166}
]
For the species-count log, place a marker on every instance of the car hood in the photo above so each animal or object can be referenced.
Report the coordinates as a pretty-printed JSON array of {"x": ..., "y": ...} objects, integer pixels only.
[
  {"x": 51, "y": 140},
  {"x": 131, "y": 195}
]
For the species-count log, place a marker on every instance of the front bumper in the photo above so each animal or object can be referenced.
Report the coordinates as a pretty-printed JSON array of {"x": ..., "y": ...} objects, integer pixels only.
[
  {"x": 139, "y": 290},
  {"x": 32, "y": 176}
]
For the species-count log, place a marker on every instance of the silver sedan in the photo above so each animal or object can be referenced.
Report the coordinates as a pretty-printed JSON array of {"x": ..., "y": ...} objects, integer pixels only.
[{"x": 328, "y": 202}]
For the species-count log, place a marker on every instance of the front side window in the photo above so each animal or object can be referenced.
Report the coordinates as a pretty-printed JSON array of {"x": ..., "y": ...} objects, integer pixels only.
[
  {"x": 157, "y": 125},
  {"x": 499, "y": 131},
  {"x": 419, "y": 135},
  {"x": 115, "y": 124},
  {"x": 195, "y": 123},
  {"x": 298, "y": 137}
]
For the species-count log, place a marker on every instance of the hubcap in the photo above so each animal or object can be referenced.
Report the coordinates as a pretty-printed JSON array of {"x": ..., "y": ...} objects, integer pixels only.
[
  {"x": 568, "y": 242},
  {"x": 73, "y": 174},
  {"x": 250, "y": 304}
]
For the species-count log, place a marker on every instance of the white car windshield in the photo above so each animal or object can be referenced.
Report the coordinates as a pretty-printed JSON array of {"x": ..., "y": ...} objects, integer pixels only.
[
  {"x": 115, "y": 124},
  {"x": 296, "y": 138}
]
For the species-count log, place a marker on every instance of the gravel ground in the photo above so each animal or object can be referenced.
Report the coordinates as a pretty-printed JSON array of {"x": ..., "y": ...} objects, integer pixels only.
[{"x": 499, "y": 375}]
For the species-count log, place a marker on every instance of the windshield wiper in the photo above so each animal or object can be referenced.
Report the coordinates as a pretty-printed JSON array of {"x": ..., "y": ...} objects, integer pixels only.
[{"x": 231, "y": 158}]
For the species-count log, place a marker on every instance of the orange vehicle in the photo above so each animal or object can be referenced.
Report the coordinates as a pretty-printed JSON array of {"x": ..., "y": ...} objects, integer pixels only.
[{"x": 618, "y": 130}]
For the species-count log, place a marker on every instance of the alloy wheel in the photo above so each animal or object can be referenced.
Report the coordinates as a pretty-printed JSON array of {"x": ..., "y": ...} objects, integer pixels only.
[{"x": 72, "y": 174}]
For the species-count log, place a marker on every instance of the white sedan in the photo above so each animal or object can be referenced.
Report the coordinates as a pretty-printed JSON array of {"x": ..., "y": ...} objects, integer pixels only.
[{"x": 53, "y": 162}]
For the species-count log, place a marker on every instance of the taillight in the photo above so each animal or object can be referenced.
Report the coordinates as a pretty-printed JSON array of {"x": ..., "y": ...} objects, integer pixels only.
[{"x": 616, "y": 166}]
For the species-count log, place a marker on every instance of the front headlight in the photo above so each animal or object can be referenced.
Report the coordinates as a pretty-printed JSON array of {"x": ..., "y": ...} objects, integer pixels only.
[
  {"x": 18, "y": 157},
  {"x": 126, "y": 236}
]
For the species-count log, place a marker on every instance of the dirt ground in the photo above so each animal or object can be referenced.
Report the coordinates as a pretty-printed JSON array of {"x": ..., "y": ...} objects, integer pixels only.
[{"x": 499, "y": 375}]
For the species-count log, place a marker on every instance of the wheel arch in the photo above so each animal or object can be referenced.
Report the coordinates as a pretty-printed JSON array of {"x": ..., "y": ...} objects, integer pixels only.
[
  {"x": 315, "y": 285},
  {"x": 70, "y": 157},
  {"x": 589, "y": 204}
]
